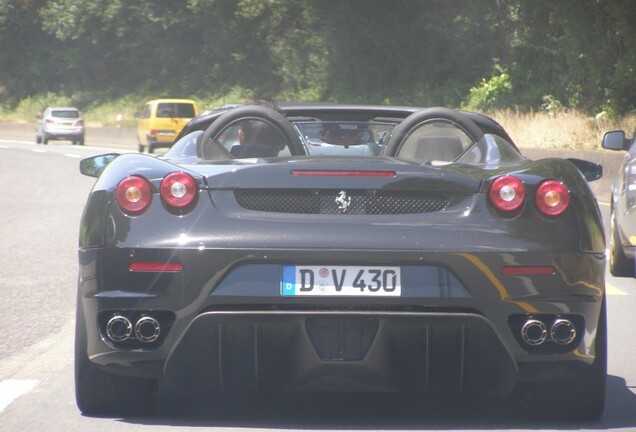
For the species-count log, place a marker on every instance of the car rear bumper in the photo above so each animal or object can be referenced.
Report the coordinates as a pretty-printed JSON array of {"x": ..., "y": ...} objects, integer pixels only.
[
  {"x": 162, "y": 139},
  {"x": 64, "y": 133},
  {"x": 344, "y": 351},
  {"x": 224, "y": 321}
]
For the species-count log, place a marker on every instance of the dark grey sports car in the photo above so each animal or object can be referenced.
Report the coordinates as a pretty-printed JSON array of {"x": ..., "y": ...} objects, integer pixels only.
[
  {"x": 341, "y": 248},
  {"x": 622, "y": 242}
]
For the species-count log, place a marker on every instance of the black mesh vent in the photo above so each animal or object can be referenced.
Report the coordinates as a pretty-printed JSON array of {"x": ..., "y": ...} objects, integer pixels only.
[{"x": 372, "y": 202}]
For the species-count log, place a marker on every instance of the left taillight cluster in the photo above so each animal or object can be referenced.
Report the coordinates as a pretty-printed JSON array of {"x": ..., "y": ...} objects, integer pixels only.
[
  {"x": 178, "y": 191},
  {"x": 508, "y": 193}
]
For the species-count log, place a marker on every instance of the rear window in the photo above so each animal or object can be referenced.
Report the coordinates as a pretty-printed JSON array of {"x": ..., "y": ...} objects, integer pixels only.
[
  {"x": 65, "y": 113},
  {"x": 178, "y": 110}
]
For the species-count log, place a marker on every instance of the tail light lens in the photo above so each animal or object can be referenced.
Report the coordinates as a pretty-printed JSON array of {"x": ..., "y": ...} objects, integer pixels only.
[
  {"x": 507, "y": 193},
  {"x": 179, "y": 189},
  {"x": 552, "y": 198},
  {"x": 134, "y": 194},
  {"x": 78, "y": 122}
]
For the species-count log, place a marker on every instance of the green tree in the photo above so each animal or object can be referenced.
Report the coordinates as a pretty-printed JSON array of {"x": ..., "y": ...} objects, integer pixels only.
[
  {"x": 31, "y": 61},
  {"x": 579, "y": 53}
]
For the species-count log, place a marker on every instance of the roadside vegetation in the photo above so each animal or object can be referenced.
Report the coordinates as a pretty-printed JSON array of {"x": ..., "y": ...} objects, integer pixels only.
[
  {"x": 548, "y": 127},
  {"x": 566, "y": 130},
  {"x": 554, "y": 66}
]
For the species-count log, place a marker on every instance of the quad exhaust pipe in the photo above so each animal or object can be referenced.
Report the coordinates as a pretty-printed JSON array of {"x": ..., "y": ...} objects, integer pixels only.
[
  {"x": 563, "y": 331},
  {"x": 147, "y": 329},
  {"x": 120, "y": 329},
  {"x": 534, "y": 332}
]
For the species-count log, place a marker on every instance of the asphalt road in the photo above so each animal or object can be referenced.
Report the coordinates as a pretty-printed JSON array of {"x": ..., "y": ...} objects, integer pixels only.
[{"x": 42, "y": 199}]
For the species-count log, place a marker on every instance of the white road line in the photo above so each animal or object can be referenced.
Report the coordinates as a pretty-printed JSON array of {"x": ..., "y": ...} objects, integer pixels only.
[
  {"x": 613, "y": 291},
  {"x": 12, "y": 389},
  {"x": 38, "y": 151},
  {"x": 17, "y": 141},
  {"x": 72, "y": 155}
]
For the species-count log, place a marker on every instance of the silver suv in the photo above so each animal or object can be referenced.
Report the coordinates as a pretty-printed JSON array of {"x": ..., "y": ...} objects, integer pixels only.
[{"x": 60, "y": 123}]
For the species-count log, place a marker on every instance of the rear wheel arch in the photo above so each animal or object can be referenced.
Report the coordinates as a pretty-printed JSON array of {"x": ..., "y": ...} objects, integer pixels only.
[
  {"x": 100, "y": 393},
  {"x": 581, "y": 397}
]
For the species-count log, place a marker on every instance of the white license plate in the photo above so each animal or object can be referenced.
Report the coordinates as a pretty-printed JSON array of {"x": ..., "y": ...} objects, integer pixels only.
[{"x": 340, "y": 281}]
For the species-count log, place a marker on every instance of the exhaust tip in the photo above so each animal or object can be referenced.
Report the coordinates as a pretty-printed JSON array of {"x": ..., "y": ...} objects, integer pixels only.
[
  {"x": 147, "y": 329},
  {"x": 119, "y": 328},
  {"x": 534, "y": 332},
  {"x": 563, "y": 331}
]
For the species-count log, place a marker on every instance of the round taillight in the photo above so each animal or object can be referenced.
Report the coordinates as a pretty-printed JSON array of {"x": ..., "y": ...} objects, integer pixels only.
[
  {"x": 133, "y": 194},
  {"x": 552, "y": 198},
  {"x": 507, "y": 193},
  {"x": 179, "y": 189}
]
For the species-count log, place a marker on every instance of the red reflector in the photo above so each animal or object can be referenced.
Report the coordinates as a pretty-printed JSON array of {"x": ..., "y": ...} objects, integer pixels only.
[
  {"x": 318, "y": 173},
  {"x": 528, "y": 270},
  {"x": 155, "y": 267}
]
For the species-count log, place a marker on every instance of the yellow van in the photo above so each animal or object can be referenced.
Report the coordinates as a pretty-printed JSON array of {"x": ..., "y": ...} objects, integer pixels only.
[{"x": 161, "y": 120}]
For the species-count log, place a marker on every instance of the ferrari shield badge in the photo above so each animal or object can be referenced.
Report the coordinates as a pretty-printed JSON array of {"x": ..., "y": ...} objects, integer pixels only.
[{"x": 343, "y": 201}]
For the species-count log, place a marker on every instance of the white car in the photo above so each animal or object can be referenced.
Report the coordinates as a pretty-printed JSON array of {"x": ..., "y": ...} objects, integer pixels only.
[{"x": 60, "y": 123}]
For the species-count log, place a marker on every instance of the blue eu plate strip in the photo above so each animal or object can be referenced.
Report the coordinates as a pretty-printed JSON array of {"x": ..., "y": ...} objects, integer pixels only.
[{"x": 288, "y": 284}]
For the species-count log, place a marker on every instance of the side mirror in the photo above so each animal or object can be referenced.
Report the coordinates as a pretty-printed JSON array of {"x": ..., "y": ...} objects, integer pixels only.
[
  {"x": 94, "y": 166},
  {"x": 614, "y": 140},
  {"x": 590, "y": 170}
]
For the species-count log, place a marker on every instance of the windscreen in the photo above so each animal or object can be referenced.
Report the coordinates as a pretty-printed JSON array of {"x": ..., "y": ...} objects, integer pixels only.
[{"x": 344, "y": 138}]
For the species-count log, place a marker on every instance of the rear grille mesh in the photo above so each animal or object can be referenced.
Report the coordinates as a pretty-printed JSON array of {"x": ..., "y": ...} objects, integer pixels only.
[{"x": 323, "y": 201}]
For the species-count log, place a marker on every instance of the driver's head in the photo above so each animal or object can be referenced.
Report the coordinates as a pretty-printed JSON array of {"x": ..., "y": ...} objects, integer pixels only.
[{"x": 334, "y": 133}]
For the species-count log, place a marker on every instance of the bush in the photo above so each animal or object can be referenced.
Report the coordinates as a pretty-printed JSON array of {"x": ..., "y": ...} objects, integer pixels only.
[
  {"x": 491, "y": 94},
  {"x": 28, "y": 108}
]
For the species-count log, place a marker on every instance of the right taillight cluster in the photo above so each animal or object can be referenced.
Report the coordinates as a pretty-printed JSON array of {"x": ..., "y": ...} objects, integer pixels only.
[
  {"x": 178, "y": 191},
  {"x": 508, "y": 193}
]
